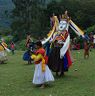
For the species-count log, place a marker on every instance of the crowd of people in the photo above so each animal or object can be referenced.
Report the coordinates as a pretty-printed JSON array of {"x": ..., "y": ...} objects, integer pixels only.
[
  {"x": 47, "y": 57},
  {"x": 87, "y": 44}
]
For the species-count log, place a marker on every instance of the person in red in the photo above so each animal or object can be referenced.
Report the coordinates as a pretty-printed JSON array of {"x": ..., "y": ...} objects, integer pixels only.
[
  {"x": 42, "y": 73},
  {"x": 12, "y": 47},
  {"x": 86, "y": 49}
]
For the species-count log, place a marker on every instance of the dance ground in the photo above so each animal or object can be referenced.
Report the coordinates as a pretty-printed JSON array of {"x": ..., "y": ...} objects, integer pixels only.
[{"x": 16, "y": 78}]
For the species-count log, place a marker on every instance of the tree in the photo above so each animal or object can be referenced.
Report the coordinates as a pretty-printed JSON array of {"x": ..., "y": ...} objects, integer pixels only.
[
  {"x": 28, "y": 17},
  {"x": 31, "y": 16}
]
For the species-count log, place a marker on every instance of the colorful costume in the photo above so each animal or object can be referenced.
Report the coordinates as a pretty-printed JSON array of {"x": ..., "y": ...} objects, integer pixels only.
[
  {"x": 3, "y": 54},
  {"x": 60, "y": 57},
  {"x": 42, "y": 73},
  {"x": 29, "y": 46},
  {"x": 56, "y": 63}
]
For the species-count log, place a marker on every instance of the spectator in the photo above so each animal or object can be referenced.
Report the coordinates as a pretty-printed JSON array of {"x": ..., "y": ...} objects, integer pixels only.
[{"x": 12, "y": 46}]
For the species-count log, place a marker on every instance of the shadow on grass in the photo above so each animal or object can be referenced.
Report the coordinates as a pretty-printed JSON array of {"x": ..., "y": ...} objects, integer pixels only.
[
  {"x": 3, "y": 63},
  {"x": 47, "y": 85},
  {"x": 66, "y": 77}
]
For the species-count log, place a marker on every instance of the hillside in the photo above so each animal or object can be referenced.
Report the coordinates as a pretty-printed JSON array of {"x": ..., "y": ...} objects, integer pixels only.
[{"x": 6, "y": 7}]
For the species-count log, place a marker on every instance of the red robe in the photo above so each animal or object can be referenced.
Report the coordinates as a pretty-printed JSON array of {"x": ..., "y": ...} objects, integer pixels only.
[{"x": 43, "y": 53}]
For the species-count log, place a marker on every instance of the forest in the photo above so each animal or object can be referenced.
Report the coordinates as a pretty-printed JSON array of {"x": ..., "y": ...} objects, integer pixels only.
[{"x": 33, "y": 16}]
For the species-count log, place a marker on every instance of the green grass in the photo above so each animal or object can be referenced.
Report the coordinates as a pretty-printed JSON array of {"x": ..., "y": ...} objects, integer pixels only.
[{"x": 16, "y": 78}]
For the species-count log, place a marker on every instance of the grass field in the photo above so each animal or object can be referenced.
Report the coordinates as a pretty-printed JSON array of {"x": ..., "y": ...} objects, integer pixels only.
[{"x": 16, "y": 78}]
